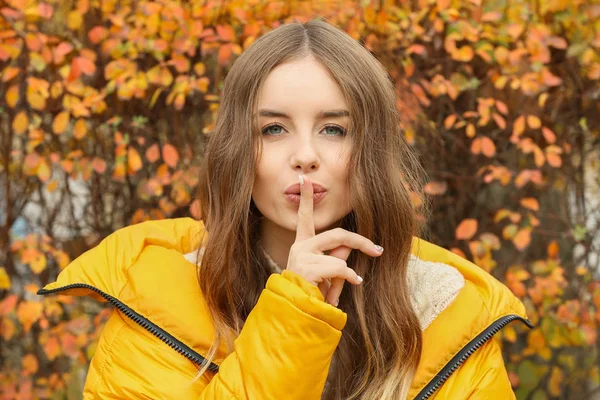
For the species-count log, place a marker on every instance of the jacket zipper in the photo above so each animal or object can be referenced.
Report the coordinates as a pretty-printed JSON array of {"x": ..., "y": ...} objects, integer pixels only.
[
  {"x": 150, "y": 326},
  {"x": 466, "y": 352},
  {"x": 192, "y": 355}
]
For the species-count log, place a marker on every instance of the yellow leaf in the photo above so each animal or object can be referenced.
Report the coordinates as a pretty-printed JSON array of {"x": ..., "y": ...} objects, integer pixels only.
[
  {"x": 464, "y": 54},
  {"x": 39, "y": 263},
  {"x": 80, "y": 129},
  {"x": 35, "y": 99},
  {"x": 534, "y": 122},
  {"x": 43, "y": 171},
  {"x": 60, "y": 122},
  {"x": 555, "y": 382},
  {"x": 4, "y": 279},
  {"x": 466, "y": 229},
  {"x": 470, "y": 130},
  {"x": 74, "y": 20},
  {"x": 200, "y": 69},
  {"x": 12, "y": 96},
  {"x": 510, "y": 334},
  {"x": 20, "y": 123}
]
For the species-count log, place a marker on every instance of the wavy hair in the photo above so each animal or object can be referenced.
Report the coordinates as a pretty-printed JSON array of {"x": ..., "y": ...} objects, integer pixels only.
[{"x": 379, "y": 352}]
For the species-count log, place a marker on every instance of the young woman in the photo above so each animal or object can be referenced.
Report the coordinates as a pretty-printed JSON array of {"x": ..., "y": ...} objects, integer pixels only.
[{"x": 304, "y": 278}]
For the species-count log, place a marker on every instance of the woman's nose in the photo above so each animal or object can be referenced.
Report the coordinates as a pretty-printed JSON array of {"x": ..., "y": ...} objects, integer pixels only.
[{"x": 304, "y": 154}]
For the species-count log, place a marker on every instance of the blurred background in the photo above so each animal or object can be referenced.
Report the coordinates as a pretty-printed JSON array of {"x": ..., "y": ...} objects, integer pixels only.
[{"x": 106, "y": 105}]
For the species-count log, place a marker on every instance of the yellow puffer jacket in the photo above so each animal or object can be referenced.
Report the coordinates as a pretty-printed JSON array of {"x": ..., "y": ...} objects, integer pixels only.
[{"x": 153, "y": 342}]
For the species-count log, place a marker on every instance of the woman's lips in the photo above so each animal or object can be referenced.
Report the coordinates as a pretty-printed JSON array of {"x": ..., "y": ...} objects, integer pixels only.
[{"x": 295, "y": 198}]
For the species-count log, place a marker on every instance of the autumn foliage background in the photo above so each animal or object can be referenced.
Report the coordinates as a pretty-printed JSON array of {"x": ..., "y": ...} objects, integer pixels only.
[{"x": 106, "y": 106}]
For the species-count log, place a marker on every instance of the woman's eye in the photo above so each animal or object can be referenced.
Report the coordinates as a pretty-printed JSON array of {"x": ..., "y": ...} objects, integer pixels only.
[
  {"x": 272, "y": 130},
  {"x": 332, "y": 129}
]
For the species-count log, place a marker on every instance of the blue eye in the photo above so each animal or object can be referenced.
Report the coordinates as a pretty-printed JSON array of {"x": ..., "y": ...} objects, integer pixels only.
[
  {"x": 268, "y": 128},
  {"x": 334, "y": 127},
  {"x": 330, "y": 130}
]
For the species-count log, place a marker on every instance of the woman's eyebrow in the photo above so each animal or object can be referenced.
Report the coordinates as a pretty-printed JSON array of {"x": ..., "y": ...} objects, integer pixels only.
[{"x": 264, "y": 112}]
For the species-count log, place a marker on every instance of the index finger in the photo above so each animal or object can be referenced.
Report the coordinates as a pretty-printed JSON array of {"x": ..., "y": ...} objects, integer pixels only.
[{"x": 306, "y": 227}]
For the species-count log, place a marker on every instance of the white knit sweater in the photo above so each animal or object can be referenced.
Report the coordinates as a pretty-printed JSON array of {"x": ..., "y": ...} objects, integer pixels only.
[{"x": 432, "y": 285}]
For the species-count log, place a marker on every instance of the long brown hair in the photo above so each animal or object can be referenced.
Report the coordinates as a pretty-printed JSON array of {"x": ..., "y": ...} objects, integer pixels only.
[{"x": 381, "y": 344}]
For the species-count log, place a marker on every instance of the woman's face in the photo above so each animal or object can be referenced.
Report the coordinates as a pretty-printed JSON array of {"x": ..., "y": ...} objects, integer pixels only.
[{"x": 303, "y": 117}]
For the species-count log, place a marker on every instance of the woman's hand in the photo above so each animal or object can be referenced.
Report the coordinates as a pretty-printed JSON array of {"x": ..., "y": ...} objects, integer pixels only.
[{"x": 306, "y": 256}]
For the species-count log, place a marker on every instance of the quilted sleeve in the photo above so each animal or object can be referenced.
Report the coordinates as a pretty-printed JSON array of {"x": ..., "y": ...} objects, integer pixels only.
[
  {"x": 285, "y": 348},
  {"x": 493, "y": 383}
]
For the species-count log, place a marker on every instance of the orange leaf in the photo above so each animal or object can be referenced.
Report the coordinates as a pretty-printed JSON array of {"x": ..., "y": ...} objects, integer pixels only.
[
  {"x": 476, "y": 146},
  {"x": 7, "y": 329},
  {"x": 29, "y": 365},
  {"x": 534, "y": 122},
  {"x": 12, "y": 96},
  {"x": 97, "y": 34},
  {"x": 522, "y": 239},
  {"x": 170, "y": 155},
  {"x": 488, "y": 148},
  {"x": 28, "y": 313},
  {"x": 530, "y": 203},
  {"x": 80, "y": 129},
  {"x": 449, "y": 121},
  {"x": 436, "y": 188},
  {"x": 554, "y": 160},
  {"x": 85, "y": 65},
  {"x": 519, "y": 126},
  {"x": 553, "y": 249},
  {"x": 69, "y": 345},
  {"x": 153, "y": 153},
  {"x": 549, "y": 135},
  {"x": 500, "y": 121},
  {"x": 9, "y": 73},
  {"x": 225, "y": 33},
  {"x": 99, "y": 165},
  {"x": 134, "y": 161},
  {"x": 224, "y": 54},
  {"x": 60, "y": 122},
  {"x": 52, "y": 348},
  {"x": 466, "y": 229},
  {"x": 20, "y": 123},
  {"x": 501, "y": 107},
  {"x": 60, "y": 51},
  {"x": 549, "y": 79},
  {"x": 8, "y": 304}
]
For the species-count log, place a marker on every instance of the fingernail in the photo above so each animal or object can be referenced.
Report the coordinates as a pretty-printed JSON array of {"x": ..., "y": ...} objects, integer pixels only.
[
  {"x": 337, "y": 302},
  {"x": 378, "y": 248},
  {"x": 301, "y": 179},
  {"x": 360, "y": 279}
]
